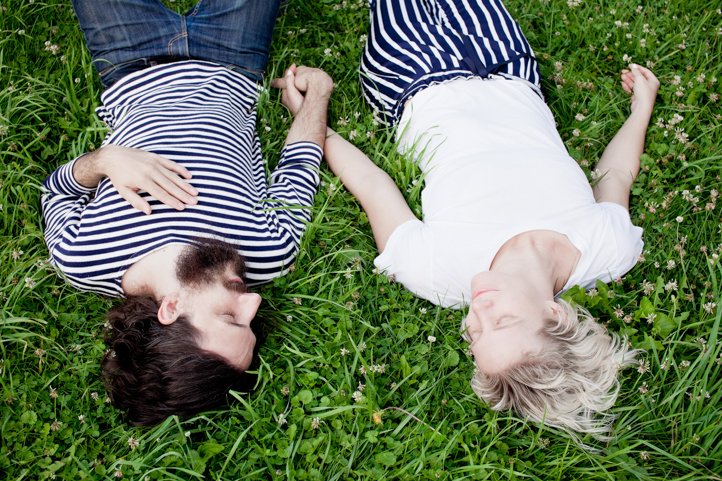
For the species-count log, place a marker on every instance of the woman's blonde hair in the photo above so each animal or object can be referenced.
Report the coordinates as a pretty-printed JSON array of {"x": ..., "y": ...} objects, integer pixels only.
[{"x": 571, "y": 384}]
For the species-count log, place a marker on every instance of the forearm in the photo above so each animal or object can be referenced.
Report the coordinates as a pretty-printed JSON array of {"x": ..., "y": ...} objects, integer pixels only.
[
  {"x": 309, "y": 123},
  {"x": 619, "y": 165},
  {"x": 378, "y": 194},
  {"x": 623, "y": 153}
]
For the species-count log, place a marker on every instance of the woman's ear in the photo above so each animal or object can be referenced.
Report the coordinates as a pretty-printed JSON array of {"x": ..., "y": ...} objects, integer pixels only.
[
  {"x": 557, "y": 312},
  {"x": 168, "y": 312}
]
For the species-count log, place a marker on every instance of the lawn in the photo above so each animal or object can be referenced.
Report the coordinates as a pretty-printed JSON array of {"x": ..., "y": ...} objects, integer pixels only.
[{"x": 359, "y": 379}]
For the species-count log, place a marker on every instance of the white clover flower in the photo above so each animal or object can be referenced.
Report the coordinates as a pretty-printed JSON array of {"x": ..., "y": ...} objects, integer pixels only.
[{"x": 133, "y": 443}]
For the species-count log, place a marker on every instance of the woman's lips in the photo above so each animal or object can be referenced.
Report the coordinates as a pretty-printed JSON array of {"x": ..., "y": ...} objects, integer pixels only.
[{"x": 479, "y": 292}]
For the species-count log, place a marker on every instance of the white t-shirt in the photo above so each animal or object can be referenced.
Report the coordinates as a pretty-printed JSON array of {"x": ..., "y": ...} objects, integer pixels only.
[{"x": 494, "y": 167}]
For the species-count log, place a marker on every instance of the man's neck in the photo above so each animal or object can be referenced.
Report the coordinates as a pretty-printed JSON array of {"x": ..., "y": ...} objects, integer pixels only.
[
  {"x": 545, "y": 258},
  {"x": 155, "y": 274}
]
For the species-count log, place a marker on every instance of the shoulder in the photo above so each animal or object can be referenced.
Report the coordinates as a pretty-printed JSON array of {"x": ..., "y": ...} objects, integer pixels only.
[{"x": 610, "y": 244}]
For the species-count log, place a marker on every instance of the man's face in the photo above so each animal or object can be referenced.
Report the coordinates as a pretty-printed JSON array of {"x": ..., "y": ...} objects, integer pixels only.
[{"x": 216, "y": 301}]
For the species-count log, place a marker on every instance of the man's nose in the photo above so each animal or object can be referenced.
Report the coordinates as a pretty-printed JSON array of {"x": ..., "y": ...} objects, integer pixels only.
[{"x": 248, "y": 303}]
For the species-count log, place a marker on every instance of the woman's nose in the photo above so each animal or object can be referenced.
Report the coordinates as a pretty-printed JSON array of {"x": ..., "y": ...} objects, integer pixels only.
[{"x": 482, "y": 305}]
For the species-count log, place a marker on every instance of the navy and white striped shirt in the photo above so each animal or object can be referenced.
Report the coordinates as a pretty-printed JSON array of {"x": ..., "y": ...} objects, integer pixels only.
[
  {"x": 414, "y": 44},
  {"x": 202, "y": 116}
]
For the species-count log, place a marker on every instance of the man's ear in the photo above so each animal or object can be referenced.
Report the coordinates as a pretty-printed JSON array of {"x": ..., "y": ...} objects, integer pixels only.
[{"x": 168, "y": 312}]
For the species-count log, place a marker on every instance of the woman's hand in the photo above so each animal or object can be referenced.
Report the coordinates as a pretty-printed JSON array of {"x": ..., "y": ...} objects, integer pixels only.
[
  {"x": 135, "y": 170},
  {"x": 642, "y": 84},
  {"x": 299, "y": 81}
]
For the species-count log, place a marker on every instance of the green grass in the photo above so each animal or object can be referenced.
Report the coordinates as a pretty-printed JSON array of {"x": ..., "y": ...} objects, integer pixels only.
[{"x": 417, "y": 418}]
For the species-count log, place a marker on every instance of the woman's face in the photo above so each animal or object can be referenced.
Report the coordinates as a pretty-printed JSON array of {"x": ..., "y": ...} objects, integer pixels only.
[{"x": 504, "y": 321}]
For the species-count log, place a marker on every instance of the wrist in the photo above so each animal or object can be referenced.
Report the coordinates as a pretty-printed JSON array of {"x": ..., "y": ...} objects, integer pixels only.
[
  {"x": 642, "y": 113},
  {"x": 87, "y": 169}
]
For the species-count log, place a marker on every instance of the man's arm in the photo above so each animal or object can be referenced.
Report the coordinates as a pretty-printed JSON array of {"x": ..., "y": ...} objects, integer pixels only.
[
  {"x": 294, "y": 181},
  {"x": 133, "y": 170},
  {"x": 305, "y": 93},
  {"x": 379, "y": 196},
  {"x": 68, "y": 190},
  {"x": 619, "y": 165}
]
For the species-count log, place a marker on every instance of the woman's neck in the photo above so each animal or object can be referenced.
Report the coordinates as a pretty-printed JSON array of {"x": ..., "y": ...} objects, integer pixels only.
[{"x": 546, "y": 258}]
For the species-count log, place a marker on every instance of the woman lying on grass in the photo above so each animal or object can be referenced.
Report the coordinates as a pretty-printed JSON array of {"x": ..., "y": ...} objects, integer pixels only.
[{"x": 509, "y": 219}]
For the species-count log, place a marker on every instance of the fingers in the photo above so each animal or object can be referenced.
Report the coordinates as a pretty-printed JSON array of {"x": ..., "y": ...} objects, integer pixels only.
[
  {"x": 636, "y": 74},
  {"x": 135, "y": 200},
  {"x": 175, "y": 187},
  {"x": 649, "y": 76},
  {"x": 278, "y": 83},
  {"x": 163, "y": 195},
  {"x": 643, "y": 74},
  {"x": 627, "y": 81},
  {"x": 281, "y": 82},
  {"x": 163, "y": 185},
  {"x": 172, "y": 169}
]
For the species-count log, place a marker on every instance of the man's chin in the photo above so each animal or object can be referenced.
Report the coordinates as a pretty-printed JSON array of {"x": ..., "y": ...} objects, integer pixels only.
[{"x": 201, "y": 264}]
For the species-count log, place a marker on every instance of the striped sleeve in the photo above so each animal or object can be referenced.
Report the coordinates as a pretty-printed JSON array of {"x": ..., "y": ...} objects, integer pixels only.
[
  {"x": 63, "y": 201},
  {"x": 293, "y": 186}
]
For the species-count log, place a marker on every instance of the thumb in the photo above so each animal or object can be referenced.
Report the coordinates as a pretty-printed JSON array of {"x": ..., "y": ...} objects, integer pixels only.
[
  {"x": 636, "y": 71},
  {"x": 290, "y": 81}
]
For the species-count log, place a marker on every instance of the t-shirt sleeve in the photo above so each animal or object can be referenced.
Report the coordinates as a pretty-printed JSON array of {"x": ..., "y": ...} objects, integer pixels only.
[
  {"x": 407, "y": 257},
  {"x": 63, "y": 202},
  {"x": 614, "y": 245},
  {"x": 293, "y": 186}
]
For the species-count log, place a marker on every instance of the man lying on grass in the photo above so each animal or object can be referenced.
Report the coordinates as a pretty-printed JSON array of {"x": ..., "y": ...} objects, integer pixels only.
[
  {"x": 510, "y": 220},
  {"x": 174, "y": 211}
]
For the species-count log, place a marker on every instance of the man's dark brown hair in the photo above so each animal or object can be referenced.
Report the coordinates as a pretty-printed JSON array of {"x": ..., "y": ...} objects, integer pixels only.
[{"x": 153, "y": 371}]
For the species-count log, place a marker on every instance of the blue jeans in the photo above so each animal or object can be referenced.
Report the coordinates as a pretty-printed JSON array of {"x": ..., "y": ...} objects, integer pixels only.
[{"x": 124, "y": 36}]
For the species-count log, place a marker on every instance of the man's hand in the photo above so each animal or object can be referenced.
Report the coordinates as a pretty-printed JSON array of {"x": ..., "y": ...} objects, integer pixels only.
[
  {"x": 135, "y": 170},
  {"x": 642, "y": 84},
  {"x": 305, "y": 93},
  {"x": 300, "y": 81}
]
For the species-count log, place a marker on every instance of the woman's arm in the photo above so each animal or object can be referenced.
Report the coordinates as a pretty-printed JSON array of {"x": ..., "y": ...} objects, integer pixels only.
[
  {"x": 379, "y": 196},
  {"x": 619, "y": 164}
]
